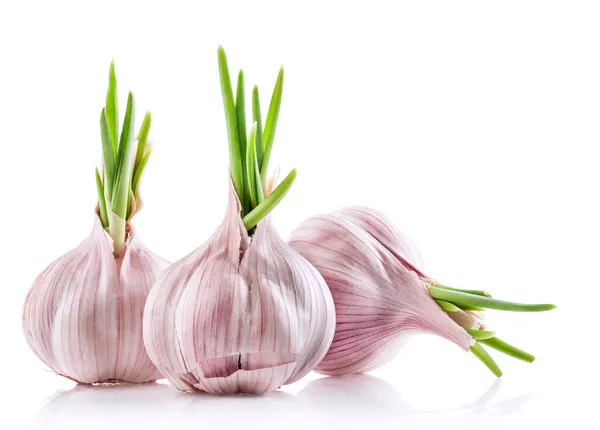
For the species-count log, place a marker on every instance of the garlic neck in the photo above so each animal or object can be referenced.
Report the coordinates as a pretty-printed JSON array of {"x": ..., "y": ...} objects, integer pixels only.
[{"x": 117, "y": 229}]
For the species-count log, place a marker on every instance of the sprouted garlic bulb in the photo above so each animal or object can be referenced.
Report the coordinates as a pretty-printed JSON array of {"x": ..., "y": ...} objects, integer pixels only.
[
  {"x": 83, "y": 314},
  {"x": 381, "y": 293},
  {"x": 244, "y": 313}
]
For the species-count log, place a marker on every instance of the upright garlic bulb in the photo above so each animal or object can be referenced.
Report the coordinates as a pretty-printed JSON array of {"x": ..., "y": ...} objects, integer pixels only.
[
  {"x": 244, "y": 313},
  {"x": 381, "y": 293},
  {"x": 240, "y": 314},
  {"x": 83, "y": 314}
]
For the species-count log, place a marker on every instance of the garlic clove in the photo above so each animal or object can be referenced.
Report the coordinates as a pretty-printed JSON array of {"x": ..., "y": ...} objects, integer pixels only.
[
  {"x": 298, "y": 291},
  {"x": 82, "y": 316},
  {"x": 73, "y": 287},
  {"x": 169, "y": 326}
]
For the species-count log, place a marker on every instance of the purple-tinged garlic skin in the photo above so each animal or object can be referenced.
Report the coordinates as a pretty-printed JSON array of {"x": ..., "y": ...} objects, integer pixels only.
[
  {"x": 239, "y": 314},
  {"x": 378, "y": 286},
  {"x": 83, "y": 315},
  {"x": 387, "y": 234}
]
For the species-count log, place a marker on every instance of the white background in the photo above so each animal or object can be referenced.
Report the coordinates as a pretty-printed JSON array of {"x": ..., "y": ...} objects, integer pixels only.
[{"x": 474, "y": 125}]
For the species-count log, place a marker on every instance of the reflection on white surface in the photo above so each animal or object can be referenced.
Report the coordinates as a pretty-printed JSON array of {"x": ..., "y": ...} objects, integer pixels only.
[{"x": 346, "y": 402}]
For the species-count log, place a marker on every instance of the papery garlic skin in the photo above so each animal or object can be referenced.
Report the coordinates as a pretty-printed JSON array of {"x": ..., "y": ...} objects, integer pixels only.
[
  {"x": 387, "y": 234},
  {"x": 375, "y": 276},
  {"x": 239, "y": 314},
  {"x": 83, "y": 314}
]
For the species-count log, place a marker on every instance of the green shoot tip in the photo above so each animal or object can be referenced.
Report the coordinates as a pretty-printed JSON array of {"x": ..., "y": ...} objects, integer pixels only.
[
  {"x": 508, "y": 349},
  {"x": 479, "y": 352}
]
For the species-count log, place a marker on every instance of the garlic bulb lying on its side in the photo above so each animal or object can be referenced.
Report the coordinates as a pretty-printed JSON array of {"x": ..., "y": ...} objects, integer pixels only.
[
  {"x": 240, "y": 314},
  {"x": 381, "y": 293},
  {"x": 83, "y": 314}
]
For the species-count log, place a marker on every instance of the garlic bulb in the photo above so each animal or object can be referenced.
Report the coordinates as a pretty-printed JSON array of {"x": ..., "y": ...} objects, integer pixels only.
[
  {"x": 381, "y": 293},
  {"x": 240, "y": 314},
  {"x": 377, "y": 299},
  {"x": 83, "y": 314},
  {"x": 244, "y": 313}
]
